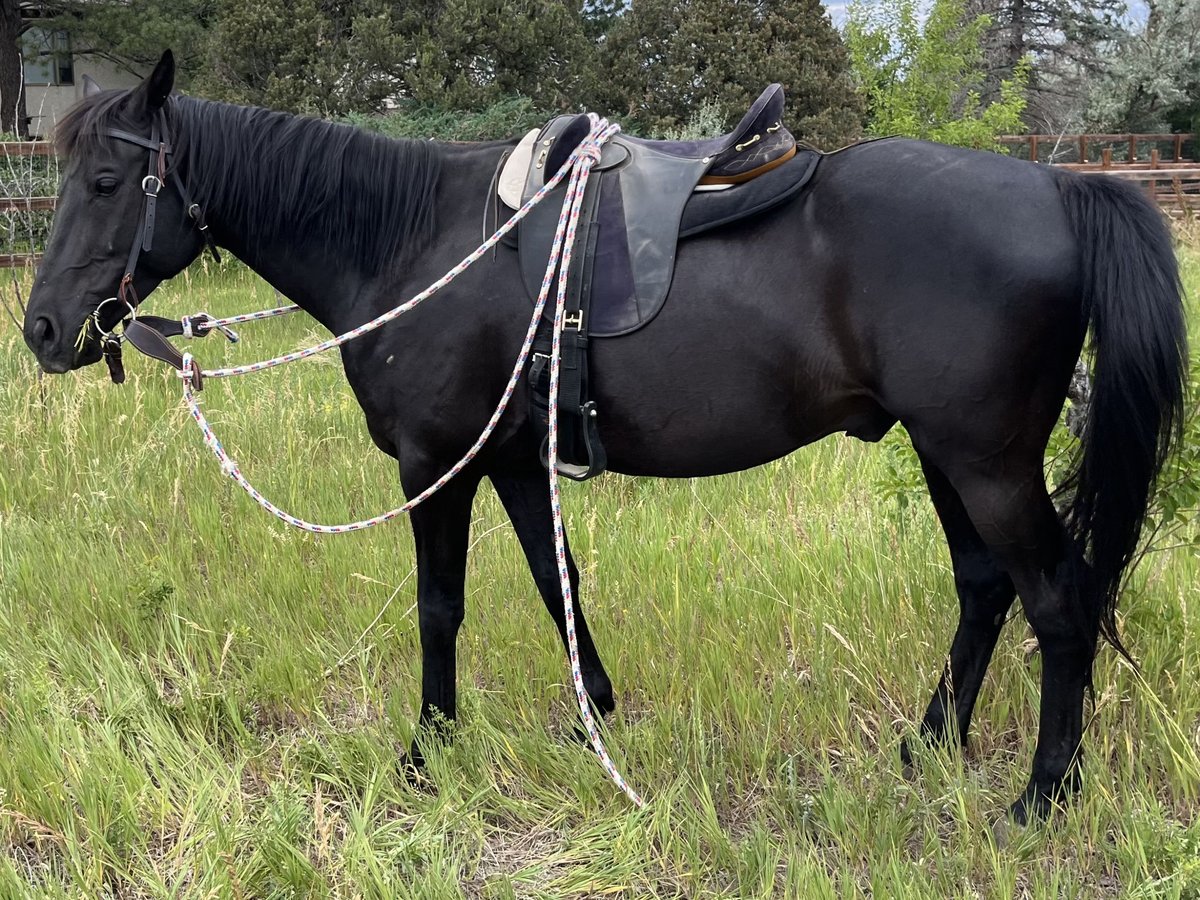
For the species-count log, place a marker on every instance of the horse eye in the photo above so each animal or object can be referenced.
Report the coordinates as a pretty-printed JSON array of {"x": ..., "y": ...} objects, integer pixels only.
[{"x": 106, "y": 186}]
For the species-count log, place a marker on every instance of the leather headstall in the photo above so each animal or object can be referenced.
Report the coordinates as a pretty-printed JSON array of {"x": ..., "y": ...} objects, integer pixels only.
[{"x": 157, "y": 172}]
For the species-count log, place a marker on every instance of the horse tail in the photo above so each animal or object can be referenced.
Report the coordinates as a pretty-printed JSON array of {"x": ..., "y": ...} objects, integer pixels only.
[{"x": 1133, "y": 303}]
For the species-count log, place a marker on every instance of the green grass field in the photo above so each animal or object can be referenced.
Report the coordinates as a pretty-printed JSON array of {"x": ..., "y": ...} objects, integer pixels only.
[{"x": 196, "y": 702}]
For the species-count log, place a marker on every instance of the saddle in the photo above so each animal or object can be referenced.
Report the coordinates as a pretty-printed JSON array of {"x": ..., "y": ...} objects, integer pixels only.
[{"x": 642, "y": 198}]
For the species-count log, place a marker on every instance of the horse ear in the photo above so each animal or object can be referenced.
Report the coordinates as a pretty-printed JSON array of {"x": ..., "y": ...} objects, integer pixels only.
[
  {"x": 157, "y": 88},
  {"x": 90, "y": 86}
]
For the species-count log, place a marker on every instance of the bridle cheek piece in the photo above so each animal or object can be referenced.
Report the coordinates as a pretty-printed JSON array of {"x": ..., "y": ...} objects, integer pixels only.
[{"x": 157, "y": 173}]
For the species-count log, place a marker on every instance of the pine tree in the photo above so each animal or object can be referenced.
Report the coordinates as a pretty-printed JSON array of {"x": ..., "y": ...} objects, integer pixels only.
[
  {"x": 132, "y": 34},
  {"x": 1065, "y": 39},
  {"x": 324, "y": 57},
  {"x": 664, "y": 58}
]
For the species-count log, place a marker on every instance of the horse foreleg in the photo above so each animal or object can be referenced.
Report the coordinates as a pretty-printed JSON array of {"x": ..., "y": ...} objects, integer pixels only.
[
  {"x": 526, "y": 498},
  {"x": 441, "y": 528},
  {"x": 985, "y": 593}
]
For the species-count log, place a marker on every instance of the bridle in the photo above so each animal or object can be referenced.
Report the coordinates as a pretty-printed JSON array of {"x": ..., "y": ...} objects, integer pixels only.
[{"x": 157, "y": 172}]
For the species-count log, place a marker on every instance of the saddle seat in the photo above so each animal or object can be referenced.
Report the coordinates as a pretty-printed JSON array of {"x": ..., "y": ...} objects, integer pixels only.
[
  {"x": 642, "y": 198},
  {"x": 758, "y": 144}
]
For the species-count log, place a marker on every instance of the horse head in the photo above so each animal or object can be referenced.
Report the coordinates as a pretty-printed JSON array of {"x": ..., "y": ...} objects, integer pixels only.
[{"x": 121, "y": 225}]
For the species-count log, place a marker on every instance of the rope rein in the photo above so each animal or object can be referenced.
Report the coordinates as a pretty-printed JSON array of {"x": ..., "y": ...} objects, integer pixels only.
[{"x": 578, "y": 165}]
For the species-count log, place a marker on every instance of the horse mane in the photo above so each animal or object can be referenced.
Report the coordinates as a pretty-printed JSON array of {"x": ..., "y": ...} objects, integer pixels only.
[{"x": 264, "y": 173}]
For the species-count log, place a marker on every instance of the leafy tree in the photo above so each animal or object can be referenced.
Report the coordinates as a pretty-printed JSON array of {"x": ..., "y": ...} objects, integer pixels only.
[
  {"x": 664, "y": 58},
  {"x": 1151, "y": 79},
  {"x": 923, "y": 77}
]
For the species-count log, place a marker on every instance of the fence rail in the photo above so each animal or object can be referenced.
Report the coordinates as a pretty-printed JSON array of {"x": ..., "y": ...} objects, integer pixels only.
[
  {"x": 19, "y": 260},
  {"x": 1172, "y": 179},
  {"x": 1170, "y": 147},
  {"x": 26, "y": 204},
  {"x": 26, "y": 148}
]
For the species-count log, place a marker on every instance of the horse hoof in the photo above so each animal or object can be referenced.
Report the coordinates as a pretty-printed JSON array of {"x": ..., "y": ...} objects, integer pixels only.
[
  {"x": 417, "y": 778},
  {"x": 413, "y": 771},
  {"x": 907, "y": 767},
  {"x": 1005, "y": 831}
]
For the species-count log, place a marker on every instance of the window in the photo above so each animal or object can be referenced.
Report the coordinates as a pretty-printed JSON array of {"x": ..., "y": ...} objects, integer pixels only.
[{"x": 46, "y": 56}]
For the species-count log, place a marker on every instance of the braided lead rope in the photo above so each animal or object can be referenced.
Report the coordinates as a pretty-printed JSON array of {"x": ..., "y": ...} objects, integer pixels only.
[
  {"x": 254, "y": 316},
  {"x": 230, "y": 467},
  {"x": 591, "y": 156},
  {"x": 210, "y": 323},
  {"x": 560, "y": 259}
]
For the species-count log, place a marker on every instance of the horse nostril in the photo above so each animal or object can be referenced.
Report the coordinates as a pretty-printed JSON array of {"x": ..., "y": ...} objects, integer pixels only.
[{"x": 43, "y": 332}]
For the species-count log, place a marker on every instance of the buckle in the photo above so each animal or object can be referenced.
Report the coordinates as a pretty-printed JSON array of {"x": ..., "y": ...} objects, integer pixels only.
[
  {"x": 574, "y": 319},
  {"x": 151, "y": 184}
]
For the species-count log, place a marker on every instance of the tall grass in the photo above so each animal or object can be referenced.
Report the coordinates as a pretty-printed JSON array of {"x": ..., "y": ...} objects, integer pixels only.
[{"x": 196, "y": 702}]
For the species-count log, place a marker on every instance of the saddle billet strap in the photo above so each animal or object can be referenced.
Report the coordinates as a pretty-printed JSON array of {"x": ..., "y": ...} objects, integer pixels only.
[{"x": 491, "y": 202}]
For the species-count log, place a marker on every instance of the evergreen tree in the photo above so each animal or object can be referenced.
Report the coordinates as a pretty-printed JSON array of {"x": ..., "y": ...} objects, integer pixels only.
[
  {"x": 1066, "y": 40},
  {"x": 326, "y": 57},
  {"x": 132, "y": 34},
  {"x": 664, "y": 58},
  {"x": 1151, "y": 80},
  {"x": 467, "y": 54}
]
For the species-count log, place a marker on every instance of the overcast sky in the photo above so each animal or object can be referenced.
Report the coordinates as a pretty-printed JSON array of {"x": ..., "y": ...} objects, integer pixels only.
[{"x": 837, "y": 10}]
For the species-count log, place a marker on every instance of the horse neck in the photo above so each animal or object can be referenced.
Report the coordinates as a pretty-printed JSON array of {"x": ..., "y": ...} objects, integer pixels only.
[{"x": 283, "y": 234}]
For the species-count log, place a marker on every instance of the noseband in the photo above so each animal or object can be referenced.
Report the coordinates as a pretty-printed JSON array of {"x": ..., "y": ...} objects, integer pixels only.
[{"x": 157, "y": 173}]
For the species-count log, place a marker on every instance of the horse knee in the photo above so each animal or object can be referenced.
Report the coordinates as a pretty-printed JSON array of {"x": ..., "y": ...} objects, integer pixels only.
[{"x": 440, "y": 621}]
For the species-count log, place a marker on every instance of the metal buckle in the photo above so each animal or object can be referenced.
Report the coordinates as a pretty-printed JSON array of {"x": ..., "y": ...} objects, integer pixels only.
[
  {"x": 574, "y": 319},
  {"x": 153, "y": 180}
]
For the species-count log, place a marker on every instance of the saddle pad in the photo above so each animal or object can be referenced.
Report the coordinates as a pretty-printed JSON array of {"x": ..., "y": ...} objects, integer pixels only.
[{"x": 512, "y": 177}]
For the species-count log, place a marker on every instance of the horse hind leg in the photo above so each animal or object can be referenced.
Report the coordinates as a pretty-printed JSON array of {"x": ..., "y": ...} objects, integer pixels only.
[
  {"x": 1015, "y": 518},
  {"x": 985, "y": 593}
]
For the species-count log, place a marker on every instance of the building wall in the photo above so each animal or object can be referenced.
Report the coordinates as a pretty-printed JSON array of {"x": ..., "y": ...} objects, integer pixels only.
[{"x": 46, "y": 104}]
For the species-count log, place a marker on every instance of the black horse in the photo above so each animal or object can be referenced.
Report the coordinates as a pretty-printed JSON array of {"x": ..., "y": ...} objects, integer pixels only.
[{"x": 945, "y": 289}]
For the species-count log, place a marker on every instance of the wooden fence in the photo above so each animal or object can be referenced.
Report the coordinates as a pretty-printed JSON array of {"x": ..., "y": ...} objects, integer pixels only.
[
  {"x": 1168, "y": 165},
  {"x": 24, "y": 204}
]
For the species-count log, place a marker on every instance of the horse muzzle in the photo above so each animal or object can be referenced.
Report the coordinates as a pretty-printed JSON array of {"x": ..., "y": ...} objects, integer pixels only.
[{"x": 56, "y": 348}]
